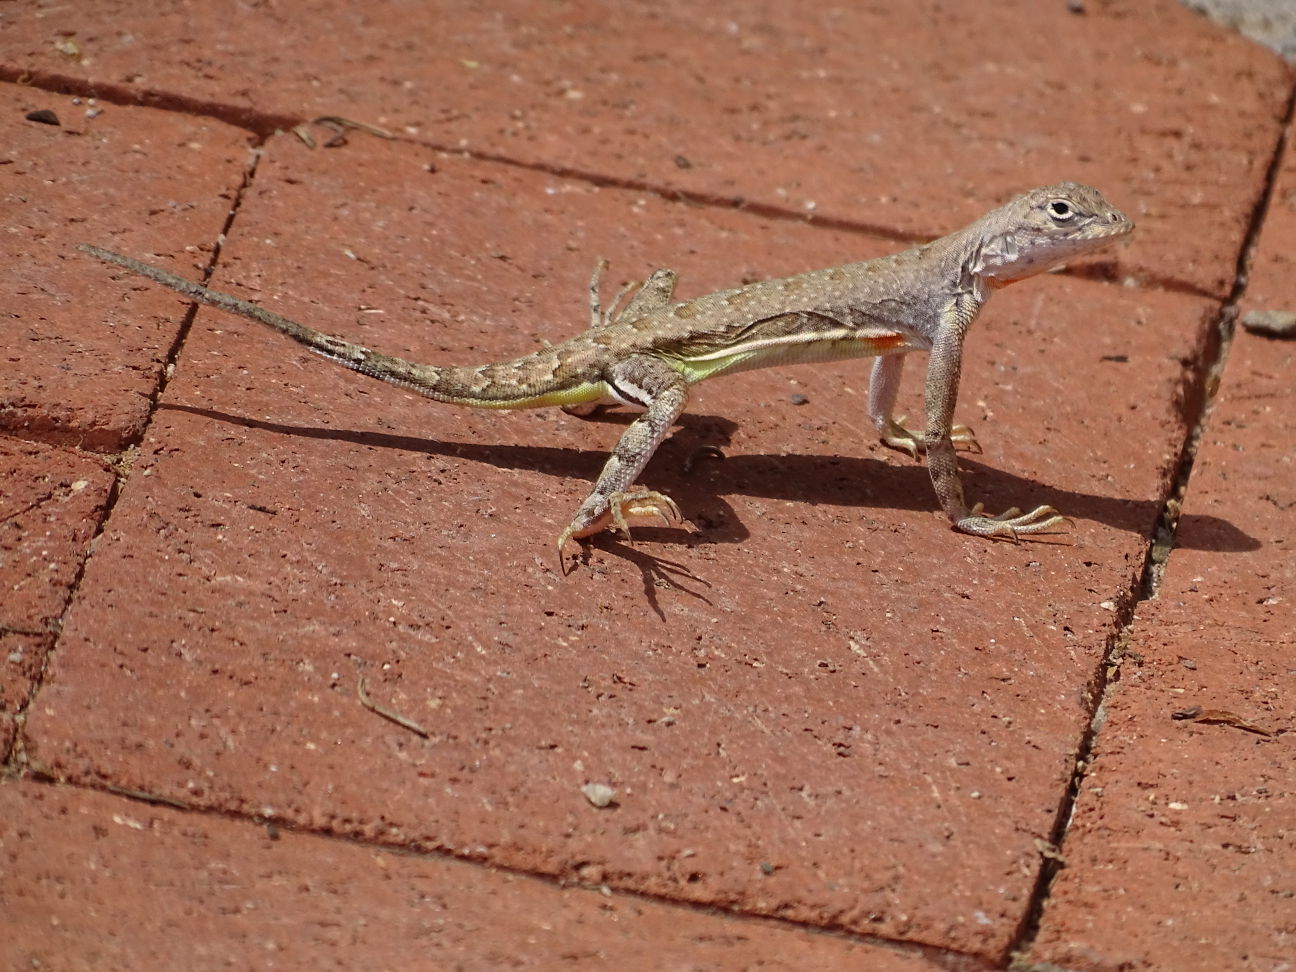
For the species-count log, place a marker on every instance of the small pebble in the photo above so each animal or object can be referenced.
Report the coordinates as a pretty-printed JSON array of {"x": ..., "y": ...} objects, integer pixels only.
[
  {"x": 599, "y": 794},
  {"x": 1271, "y": 323}
]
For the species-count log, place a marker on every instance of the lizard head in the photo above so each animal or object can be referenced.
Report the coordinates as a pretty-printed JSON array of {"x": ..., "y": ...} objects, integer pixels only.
[{"x": 1043, "y": 228}]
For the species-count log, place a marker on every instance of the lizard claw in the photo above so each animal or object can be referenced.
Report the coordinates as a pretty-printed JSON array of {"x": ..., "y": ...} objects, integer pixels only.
[
  {"x": 962, "y": 435},
  {"x": 635, "y": 503},
  {"x": 1011, "y": 523}
]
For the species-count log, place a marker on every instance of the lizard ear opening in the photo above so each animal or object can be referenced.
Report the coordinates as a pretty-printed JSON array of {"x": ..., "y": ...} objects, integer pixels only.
[{"x": 994, "y": 254}]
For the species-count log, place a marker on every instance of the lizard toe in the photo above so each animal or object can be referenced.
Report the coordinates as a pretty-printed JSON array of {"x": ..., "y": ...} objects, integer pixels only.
[
  {"x": 638, "y": 503},
  {"x": 896, "y": 436},
  {"x": 1012, "y": 523}
]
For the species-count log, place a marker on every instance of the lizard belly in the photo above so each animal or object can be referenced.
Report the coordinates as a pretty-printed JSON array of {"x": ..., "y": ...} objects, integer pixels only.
[
  {"x": 592, "y": 392},
  {"x": 848, "y": 343}
]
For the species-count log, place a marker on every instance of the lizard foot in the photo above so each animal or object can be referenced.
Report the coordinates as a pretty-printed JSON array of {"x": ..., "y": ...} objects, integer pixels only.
[
  {"x": 906, "y": 440},
  {"x": 635, "y": 503},
  {"x": 1012, "y": 523}
]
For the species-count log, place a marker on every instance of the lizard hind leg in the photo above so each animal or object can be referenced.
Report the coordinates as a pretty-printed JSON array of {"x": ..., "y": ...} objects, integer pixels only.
[
  {"x": 615, "y": 500},
  {"x": 654, "y": 293}
]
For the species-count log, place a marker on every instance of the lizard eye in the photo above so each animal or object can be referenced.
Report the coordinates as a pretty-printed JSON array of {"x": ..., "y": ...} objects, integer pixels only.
[{"x": 1060, "y": 210}]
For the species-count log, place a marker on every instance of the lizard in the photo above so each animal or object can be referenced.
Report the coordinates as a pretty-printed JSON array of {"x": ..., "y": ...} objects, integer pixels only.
[{"x": 648, "y": 352}]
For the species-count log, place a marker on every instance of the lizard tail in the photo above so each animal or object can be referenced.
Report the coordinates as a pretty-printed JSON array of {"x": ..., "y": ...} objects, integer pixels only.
[{"x": 539, "y": 379}]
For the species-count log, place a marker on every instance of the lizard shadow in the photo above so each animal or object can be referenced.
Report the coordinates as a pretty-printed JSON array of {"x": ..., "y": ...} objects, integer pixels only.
[
  {"x": 656, "y": 572},
  {"x": 901, "y": 483},
  {"x": 691, "y": 467}
]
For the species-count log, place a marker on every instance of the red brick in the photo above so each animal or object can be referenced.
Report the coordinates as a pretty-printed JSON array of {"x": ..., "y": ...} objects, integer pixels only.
[{"x": 100, "y": 882}]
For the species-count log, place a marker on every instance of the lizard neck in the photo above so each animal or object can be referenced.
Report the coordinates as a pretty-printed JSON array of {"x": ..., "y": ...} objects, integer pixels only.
[{"x": 966, "y": 261}]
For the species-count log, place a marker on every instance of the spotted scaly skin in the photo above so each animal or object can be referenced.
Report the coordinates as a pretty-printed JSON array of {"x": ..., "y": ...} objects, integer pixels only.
[{"x": 648, "y": 352}]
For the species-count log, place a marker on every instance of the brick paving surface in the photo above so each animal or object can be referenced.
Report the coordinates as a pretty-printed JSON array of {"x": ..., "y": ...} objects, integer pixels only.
[{"x": 839, "y": 734}]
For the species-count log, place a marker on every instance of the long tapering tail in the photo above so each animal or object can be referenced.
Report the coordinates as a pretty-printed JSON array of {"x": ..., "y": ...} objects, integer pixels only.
[{"x": 487, "y": 386}]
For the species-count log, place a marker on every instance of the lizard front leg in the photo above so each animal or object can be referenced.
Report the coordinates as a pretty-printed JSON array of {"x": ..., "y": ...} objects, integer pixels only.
[
  {"x": 884, "y": 386},
  {"x": 943, "y": 373},
  {"x": 614, "y": 500}
]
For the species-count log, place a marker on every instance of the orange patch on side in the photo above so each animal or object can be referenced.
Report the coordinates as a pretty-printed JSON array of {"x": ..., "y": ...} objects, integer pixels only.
[{"x": 888, "y": 342}]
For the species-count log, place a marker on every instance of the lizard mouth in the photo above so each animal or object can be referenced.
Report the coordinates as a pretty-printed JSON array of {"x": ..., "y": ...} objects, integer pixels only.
[
  {"x": 1117, "y": 225},
  {"x": 1099, "y": 235}
]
